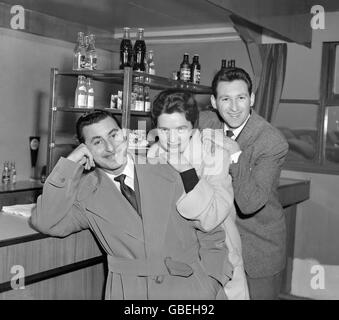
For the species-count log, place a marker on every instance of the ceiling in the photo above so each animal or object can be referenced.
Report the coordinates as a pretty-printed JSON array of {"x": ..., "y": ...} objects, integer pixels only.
[{"x": 112, "y": 15}]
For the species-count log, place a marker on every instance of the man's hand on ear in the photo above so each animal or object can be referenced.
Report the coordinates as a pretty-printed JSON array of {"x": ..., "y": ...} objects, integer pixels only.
[{"x": 83, "y": 156}]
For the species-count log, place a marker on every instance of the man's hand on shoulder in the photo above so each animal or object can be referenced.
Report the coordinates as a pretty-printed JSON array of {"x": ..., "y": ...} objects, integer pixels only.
[{"x": 83, "y": 156}]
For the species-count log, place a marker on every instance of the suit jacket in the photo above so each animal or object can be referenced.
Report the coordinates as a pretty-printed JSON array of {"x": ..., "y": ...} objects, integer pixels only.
[
  {"x": 160, "y": 255},
  {"x": 260, "y": 218},
  {"x": 211, "y": 203}
]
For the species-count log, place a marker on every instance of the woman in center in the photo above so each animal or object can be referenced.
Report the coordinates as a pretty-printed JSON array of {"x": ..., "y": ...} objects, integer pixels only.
[{"x": 208, "y": 183}]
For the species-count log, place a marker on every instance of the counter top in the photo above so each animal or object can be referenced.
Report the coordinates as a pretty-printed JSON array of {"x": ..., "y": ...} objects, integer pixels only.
[
  {"x": 20, "y": 186},
  {"x": 15, "y": 229}
]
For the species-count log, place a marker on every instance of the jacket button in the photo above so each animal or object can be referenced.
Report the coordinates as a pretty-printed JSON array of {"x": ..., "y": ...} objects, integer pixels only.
[
  {"x": 62, "y": 180},
  {"x": 159, "y": 279}
]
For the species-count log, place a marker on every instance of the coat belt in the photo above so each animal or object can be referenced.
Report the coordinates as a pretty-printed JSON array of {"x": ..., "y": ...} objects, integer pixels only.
[{"x": 152, "y": 266}]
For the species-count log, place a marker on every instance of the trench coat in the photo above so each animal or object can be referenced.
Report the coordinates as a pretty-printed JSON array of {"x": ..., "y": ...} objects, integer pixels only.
[{"x": 157, "y": 254}]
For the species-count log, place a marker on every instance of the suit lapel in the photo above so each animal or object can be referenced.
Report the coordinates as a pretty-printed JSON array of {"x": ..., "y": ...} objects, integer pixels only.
[
  {"x": 250, "y": 131},
  {"x": 157, "y": 191},
  {"x": 110, "y": 205}
]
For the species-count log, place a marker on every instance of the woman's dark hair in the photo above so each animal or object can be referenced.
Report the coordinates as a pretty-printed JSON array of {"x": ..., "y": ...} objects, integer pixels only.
[
  {"x": 231, "y": 74},
  {"x": 89, "y": 118},
  {"x": 170, "y": 101}
]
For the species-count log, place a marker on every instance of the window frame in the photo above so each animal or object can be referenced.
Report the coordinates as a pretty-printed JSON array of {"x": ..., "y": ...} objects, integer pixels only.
[{"x": 327, "y": 98}]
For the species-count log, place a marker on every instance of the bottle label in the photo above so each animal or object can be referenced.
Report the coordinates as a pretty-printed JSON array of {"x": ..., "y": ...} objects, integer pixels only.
[
  {"x": 185, "y": 74},
  {"x": 196, "y": 76},
  {"x": 147, "y": 106},
  {"x": 90, "y": 101},
  {"x": 82, "y": 61},
  {"x": 81, "y": 101}
]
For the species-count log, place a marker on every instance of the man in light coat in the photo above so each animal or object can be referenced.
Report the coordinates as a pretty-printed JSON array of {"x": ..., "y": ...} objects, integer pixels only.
[{"x": 152, "y": 251}]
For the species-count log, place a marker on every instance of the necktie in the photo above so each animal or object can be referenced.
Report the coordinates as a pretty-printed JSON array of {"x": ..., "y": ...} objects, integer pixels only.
[
  {"x": 229, "y": 133},
  {"x": 127, "y": 192}
]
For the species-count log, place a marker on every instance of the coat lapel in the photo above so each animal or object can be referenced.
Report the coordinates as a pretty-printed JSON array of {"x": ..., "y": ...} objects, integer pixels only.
[
  {"x": 157, "y": 190},
  {"x": 110, "y": 205},
  {"x": 250, "y": 131}
]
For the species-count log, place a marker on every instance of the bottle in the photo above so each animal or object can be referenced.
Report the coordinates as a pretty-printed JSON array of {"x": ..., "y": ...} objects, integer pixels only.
[
  {"x": 229, "y": 64},
  {"x": 5, "y": 173},
  {"x": 233, "y": 63},
  {"x": 134, "y": 95},
  {"x": 150, "y": 65},
  {"x": 90, "y": 93},
  {"x": 185, "y": 70},
  {"x": 13, "y": 173},
  {"x": 223, "y": 64},
  {"x": 139, "y": 103},
  {"x": 195, "y": 70},
  {"x": 126, "y": 50},
  {"x": 139, "y": 52},
  {"x": 81, "y": 93},
  {"x": 147, "y": 100},
  {"x": 91, "y": 55},
  {"x": 79, "y": 53}
]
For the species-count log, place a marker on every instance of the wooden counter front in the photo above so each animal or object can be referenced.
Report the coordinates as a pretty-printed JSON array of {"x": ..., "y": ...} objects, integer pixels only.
[{"x": 74, "y": 267}]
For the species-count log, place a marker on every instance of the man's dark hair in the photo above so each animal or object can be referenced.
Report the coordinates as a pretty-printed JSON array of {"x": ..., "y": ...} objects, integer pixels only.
[
  {"x": 89, "y": 118},
  {"x": 231, "y": 74},
  {"x": 171, "y": 100}
]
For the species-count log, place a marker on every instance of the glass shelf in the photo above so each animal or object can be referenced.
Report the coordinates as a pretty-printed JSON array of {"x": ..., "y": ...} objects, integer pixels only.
[
  {"x": 141, "y": 78},
  {"x": 114, "y": 111}
]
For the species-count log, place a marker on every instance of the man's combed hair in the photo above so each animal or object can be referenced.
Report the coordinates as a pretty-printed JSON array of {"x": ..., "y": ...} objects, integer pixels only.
[
  {"x": 171, "y": 101},
  {"x": 231, "y": 74},
  {"x": 89, "y": 118}
]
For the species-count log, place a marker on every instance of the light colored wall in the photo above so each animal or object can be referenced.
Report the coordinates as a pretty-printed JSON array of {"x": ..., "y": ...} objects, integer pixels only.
[
  {"x": 25, "y": 62},
  {"x": 317, "y": 223}
]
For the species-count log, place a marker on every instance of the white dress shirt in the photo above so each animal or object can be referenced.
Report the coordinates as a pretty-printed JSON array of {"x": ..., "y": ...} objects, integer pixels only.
[
  {"x": 128, "y": 171},
  {"x": 236, "y": 132}
]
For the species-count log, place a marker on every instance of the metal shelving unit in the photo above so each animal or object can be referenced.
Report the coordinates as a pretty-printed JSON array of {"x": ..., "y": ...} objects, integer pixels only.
[{"x": 126, "y": 78}]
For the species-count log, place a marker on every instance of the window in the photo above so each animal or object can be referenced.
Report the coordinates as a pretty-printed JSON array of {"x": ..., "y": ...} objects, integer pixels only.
[{"x": 311, "y": 127}]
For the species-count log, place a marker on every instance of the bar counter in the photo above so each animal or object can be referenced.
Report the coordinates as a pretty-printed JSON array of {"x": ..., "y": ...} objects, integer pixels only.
[{"x": 74, "y": 267}]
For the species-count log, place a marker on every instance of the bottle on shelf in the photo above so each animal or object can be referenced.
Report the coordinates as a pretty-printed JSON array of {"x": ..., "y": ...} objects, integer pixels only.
[
  {"x": 5, "y": 173},
  {"x": 139, "y": 52},
  {"x": 90, "y": 93},
  {"x": 126, "y": 50},
  {"x": 147, "y": 100},
  {"x": 195, "y": 70},
  {"x": 185, "y": 69},
  {"x": 150, "y": 65},
  {"x": 139, "y": 103},
  {"x": 91, "y": 55},
  {"x": 231, "y": 63},
  {"x": 81, "y": 93},
  {"x": 79, "y": 53},
  {"x": 223, "y": 64},
  {"x": 13, "y": 173},
  {"x": 134, "y": 95}
]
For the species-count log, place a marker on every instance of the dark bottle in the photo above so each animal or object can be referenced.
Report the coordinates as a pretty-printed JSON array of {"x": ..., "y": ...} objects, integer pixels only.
[
  {"x": 185, "y": 69},
  {"x": 223, "y": 64},
  {"x": 195, "y": 69},
  {"x": 139, "y": 52},
  {"x": 126, "y": 50}
]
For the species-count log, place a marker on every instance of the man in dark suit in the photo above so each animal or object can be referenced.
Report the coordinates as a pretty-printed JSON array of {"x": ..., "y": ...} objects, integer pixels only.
[
  {"x": 258, "y": 151},
  {"x": 152, "y": 251}
]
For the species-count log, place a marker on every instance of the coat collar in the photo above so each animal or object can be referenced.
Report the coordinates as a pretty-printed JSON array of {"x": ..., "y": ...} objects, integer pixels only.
[
  {"x": 157, "y": 200},
  {"x": 250, "y": 130}
]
